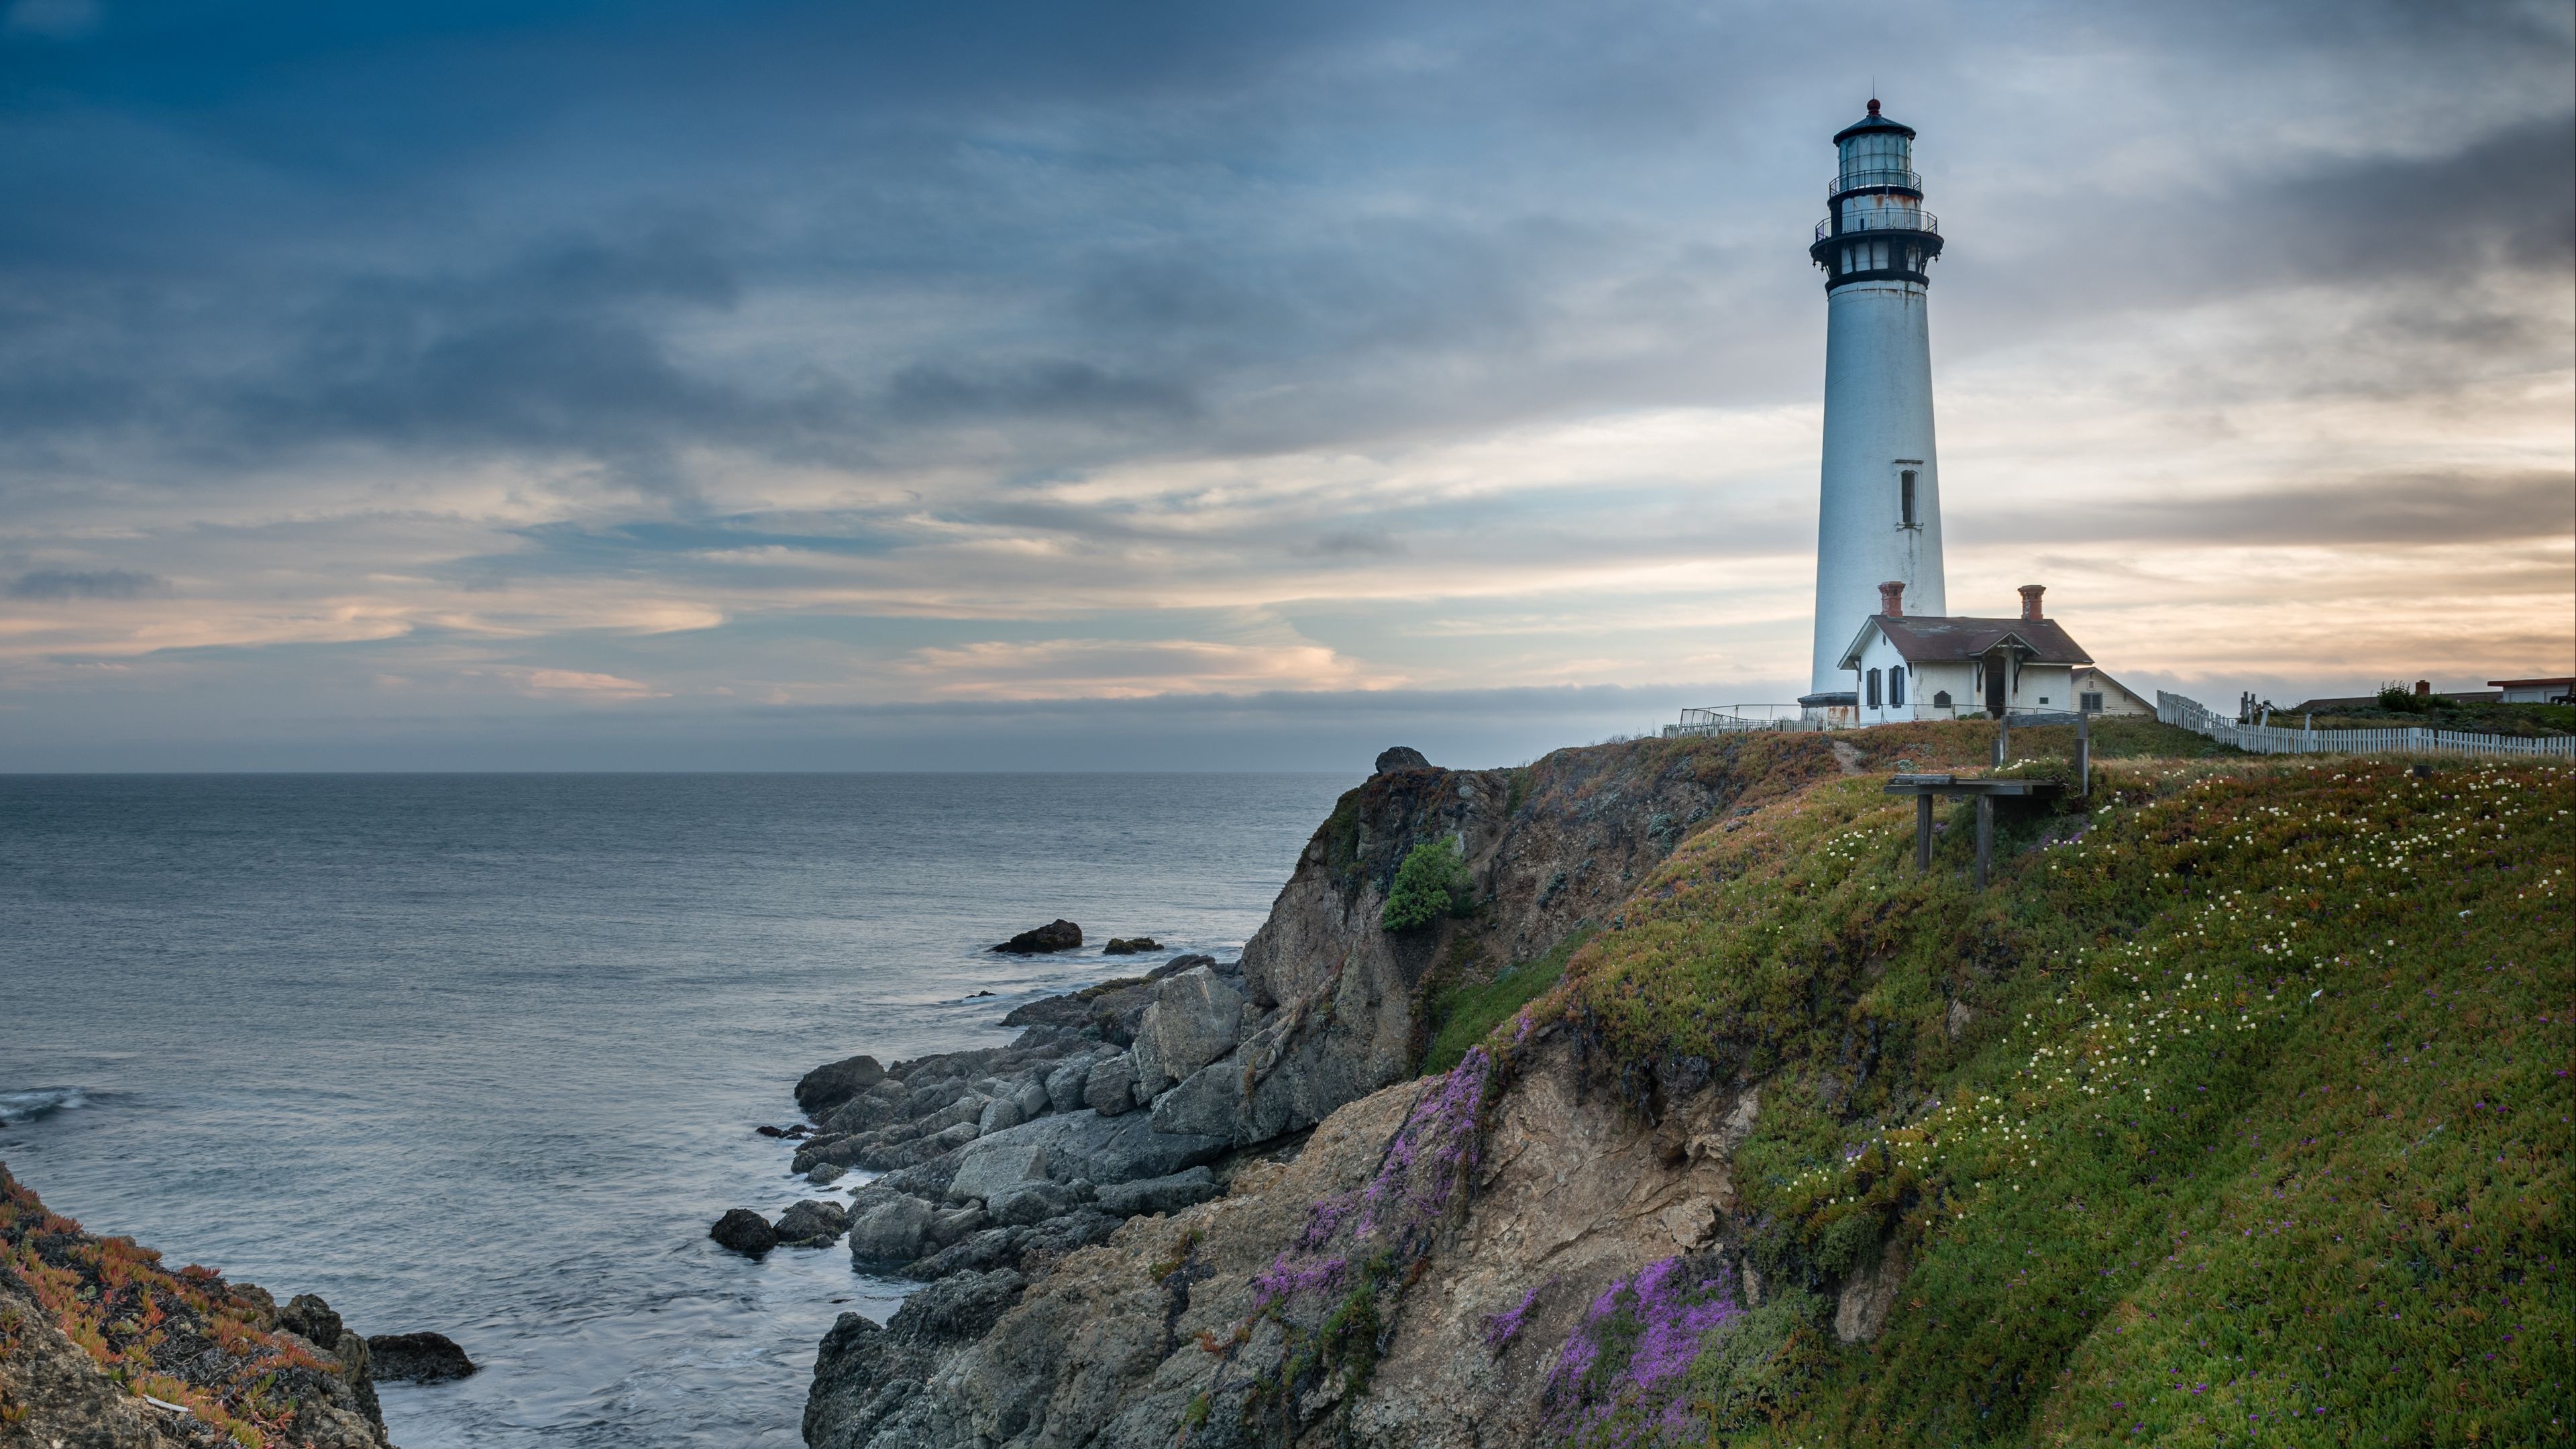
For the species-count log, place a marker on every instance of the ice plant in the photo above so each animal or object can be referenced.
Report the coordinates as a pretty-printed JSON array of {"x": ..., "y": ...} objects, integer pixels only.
[{"x": 1631, "y": 1347}]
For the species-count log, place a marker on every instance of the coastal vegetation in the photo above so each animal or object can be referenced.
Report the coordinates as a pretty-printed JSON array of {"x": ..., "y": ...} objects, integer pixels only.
[
  {"x": 2237, "y": 1105},
  {"x": 1431, "y": 883}
]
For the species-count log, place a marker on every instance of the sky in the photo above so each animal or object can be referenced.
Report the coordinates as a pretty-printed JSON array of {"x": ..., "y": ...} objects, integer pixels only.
[{"x": 665, "y": 385}]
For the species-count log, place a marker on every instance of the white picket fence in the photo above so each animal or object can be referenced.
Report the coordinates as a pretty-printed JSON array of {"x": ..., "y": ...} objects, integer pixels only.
[{"x": 2173, "y": 709}]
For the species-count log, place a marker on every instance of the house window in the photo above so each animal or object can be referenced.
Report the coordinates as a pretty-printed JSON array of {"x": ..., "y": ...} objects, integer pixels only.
[
  {"x": 2090, "y": 702},
  {"x": 1896, "y": 684},
  {"x": 1905, "y": 498},
  {"x": 1941, "y": 699},
  {"x": 1873, "y": 689}
]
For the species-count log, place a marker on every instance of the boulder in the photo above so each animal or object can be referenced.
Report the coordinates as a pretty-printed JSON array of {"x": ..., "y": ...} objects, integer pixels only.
[
  {"x": 1030, "y": 1203},
  {"x": 1082, "y": 1228},
  {"x": 957, "y": 1224},
  {"x": 996, "y": 1165},
  {"x": 865, "y": 1375},
  {"x": 1209, "y": 1103},
  {"x": 309, "y": 1318},
  {"x": 1179, "y": 964},
  {"x": 999, "y": 1113},
  {"x": 1401, "y": 757},
  {"x": 812, "y": 1223},
  {"x": 977, "y": 1253},
  {"x": 824, "y": 1174},
  {"x": 1130, "y": 946},
  {"x": 1158, "y": 1194},
  {"x": 886, "y": 1230},
  {"x": 1193, "y": 1021},
  {"x": 417, "y": 1358},
  {"x": 1064, "y": 1085},
  {"x": 1030, "y": 1095},
  {"x": 745, "y": 1232},
  {"x": 1110, "y": 1086},
  {"x": 826, "y": 1087},
  {"x": 1056, "y": 935}
]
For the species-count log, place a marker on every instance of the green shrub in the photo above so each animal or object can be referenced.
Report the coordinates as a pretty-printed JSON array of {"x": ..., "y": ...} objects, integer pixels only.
[{"x": 1433, "y": 882}]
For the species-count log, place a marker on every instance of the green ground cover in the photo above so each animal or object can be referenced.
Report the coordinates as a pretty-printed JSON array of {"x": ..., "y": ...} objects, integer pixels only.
[
  {"x": 1465, "y": 1014},
  {"x": 2236, "y": 1111}
]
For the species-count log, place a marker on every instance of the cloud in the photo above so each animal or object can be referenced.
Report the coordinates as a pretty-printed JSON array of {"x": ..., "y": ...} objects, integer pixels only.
[
  {"x": 579, "y": 684},
  {"x": 50, "y": 584},
  {"x": 853, "y": 357}
]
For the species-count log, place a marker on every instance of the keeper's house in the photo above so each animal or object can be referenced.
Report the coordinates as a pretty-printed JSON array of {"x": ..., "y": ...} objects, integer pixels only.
[{"x": 1923, "y": 667}]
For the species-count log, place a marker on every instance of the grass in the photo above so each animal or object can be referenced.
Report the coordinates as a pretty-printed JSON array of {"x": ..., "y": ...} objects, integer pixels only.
[
  {"x": 2238, "y": 1107},
  {"x": 1466, "y": 1014}
]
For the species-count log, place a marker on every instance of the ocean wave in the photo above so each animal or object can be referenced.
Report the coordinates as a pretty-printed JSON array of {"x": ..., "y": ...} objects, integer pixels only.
[{"x": 30, "y": 1103}]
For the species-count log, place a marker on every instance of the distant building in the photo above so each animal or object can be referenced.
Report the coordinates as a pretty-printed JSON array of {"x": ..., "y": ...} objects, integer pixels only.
[
  {"x": 2561, "y": 690},
  {"x": 1913, "y": 667},
  {"x": 2498, "y": 691}
]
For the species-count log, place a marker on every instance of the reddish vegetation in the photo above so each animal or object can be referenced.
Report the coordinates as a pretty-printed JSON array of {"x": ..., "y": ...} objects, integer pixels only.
[{"x": 184, "y": 1337}]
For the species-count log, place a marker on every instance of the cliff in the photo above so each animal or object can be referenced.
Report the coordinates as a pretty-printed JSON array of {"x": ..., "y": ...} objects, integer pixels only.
[
  {"x": 2237, "y": 1102},
  {"x": 101, "y": 1347}
]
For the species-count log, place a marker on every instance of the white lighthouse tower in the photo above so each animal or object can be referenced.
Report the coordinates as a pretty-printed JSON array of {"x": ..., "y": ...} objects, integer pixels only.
[{"x": 1880, "y": 521}]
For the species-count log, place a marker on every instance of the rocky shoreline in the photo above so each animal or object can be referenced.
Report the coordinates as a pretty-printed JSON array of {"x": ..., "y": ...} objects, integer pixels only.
[{"x": 1148, "y": 1101}]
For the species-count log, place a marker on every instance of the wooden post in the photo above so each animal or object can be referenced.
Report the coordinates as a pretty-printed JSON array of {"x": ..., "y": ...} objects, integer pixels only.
[
  {"x": 1922, "y": 833},
  {"x": 2003, "y": 741},
  {"x": 1985, "y": 838},
  {"x": 2083, "y": 755}
]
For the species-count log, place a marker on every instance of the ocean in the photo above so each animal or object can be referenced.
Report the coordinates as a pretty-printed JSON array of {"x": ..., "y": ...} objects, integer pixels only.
[{"x": 483, "y": 1054}]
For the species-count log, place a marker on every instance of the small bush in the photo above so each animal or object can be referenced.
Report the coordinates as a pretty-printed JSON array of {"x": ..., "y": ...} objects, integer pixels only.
[
  {"x": 2400, "y": 699},
  {"x": 1433, "y": 882}
]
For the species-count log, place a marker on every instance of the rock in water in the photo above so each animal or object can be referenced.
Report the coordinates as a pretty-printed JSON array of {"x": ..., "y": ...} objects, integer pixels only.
[
  {"x": 418, "y": 1358},
  {"x": 1056, "y": 935},
  {"x": 1402, "y": 757},
  {"x": 825, "y": 1088},
  {"x": 812, "y": 1223},
  {"x": 1130, "y": 946},
  {"x": 886, "y": 1230},
  {"x": 745, "y": 1232}
]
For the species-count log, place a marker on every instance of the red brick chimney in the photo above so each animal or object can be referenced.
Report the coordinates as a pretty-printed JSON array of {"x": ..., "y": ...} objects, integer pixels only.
[
  {"x": 2423, "y": 688},
  {"x": 1891, "y": 598},
  {"x": 2030, "y": 600}
]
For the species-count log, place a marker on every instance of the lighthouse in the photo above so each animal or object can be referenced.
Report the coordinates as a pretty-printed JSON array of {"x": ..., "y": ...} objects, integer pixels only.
[{"x": 1880, "y": 516}]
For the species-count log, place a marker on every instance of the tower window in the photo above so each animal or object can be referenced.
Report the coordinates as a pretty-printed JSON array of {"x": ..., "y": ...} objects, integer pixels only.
[
  {"x": 1880, "y": 249},
  {"x": 1896, "y": 684},
  {"x": 1905, "y": 498},
  {"x": 1847, "y": 261},
  {"x": 1873, "y": 689}
]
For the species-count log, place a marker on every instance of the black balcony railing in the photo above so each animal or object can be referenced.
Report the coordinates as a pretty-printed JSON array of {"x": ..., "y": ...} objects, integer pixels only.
[
  {"x": 1881, "y": 220},
  {"x": 1862, "y": 180}
]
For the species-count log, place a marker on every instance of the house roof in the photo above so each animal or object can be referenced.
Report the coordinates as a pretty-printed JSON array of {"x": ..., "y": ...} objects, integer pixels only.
[
  {"x": 1926, "y": 639},
  {"x": 2527, "y": 683}
]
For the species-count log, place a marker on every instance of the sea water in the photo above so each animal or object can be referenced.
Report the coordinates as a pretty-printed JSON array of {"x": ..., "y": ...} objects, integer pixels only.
[{"x": 483, "y": 1054}]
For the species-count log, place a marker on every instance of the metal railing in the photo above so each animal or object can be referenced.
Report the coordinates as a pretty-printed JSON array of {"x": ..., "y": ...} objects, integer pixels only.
[
  {"x": 2192, "y": 715},
  {"x": 1915, "y": 220},
  {"x": 1888, "y": 176},
  {"x": 1737, "y": 719}
]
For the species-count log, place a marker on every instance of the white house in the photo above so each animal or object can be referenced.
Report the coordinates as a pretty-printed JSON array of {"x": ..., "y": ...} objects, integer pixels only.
[
  {"x": 2098, "y": 693},
  {"x": 1916, "y": 667}
]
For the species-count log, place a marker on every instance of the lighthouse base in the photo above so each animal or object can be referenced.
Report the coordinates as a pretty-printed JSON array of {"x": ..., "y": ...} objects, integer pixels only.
[{"x": 1832, "y": 709}]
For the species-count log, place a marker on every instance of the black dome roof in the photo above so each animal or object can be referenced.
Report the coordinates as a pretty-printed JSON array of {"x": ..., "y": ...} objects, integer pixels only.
[{"x": 1872, "y": 122}]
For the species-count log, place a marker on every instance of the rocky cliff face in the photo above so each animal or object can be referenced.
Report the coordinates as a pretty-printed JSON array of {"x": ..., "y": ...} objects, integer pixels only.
[
  {"x": 1264, "y": 1313},
  {"x": 101, "y": 1347}
]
